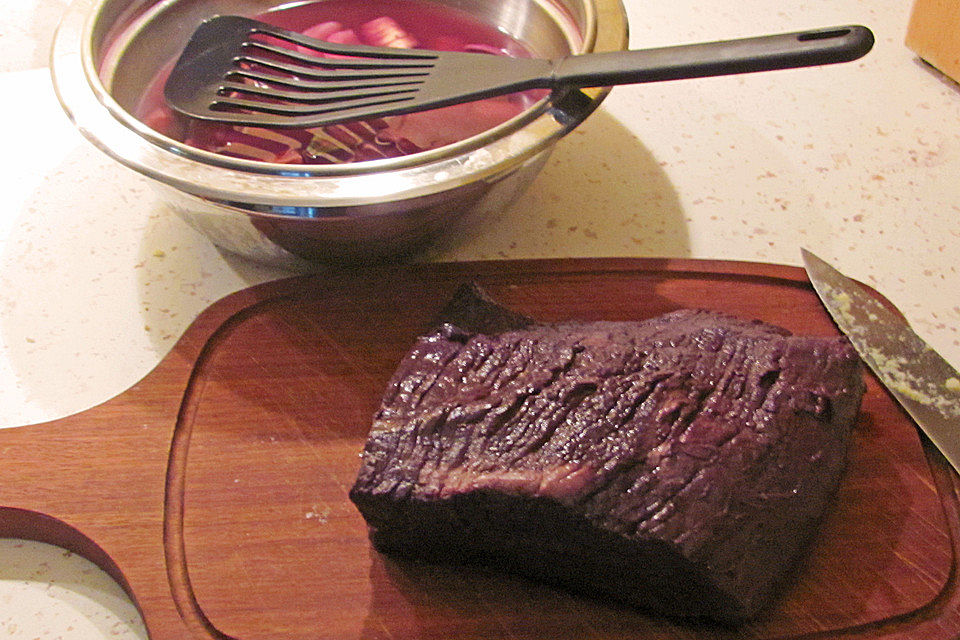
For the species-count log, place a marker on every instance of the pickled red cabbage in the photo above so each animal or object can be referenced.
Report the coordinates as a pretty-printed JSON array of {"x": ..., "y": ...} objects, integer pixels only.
[{"x": 390, "y": 23}]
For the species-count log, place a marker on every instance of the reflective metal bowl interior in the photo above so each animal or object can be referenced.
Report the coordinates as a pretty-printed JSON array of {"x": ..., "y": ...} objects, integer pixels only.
[{"x": 107, "y": 51}]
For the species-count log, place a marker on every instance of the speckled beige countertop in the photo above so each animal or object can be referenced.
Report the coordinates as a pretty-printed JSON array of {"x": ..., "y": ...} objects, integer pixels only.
[{"x": 859, "y": 162}]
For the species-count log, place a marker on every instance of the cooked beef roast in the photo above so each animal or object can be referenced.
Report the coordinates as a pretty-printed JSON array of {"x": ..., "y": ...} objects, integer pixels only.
[{"x": 680, "y": 463}]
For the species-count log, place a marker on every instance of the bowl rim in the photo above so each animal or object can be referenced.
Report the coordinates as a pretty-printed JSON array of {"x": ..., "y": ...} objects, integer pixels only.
[{"x": 484, "y": 157}]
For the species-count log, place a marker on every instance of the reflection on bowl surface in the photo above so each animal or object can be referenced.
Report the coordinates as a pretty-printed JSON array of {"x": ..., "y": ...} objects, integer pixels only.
[{"x": 359, "y": 192}]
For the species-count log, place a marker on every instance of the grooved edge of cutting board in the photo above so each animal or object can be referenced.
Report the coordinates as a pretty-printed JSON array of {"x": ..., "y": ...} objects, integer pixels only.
[{"x": 185, "y": 487}]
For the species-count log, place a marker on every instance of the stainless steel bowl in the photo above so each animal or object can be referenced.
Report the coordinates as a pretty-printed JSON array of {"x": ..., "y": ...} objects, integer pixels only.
[{"x": 106, "y": 51}]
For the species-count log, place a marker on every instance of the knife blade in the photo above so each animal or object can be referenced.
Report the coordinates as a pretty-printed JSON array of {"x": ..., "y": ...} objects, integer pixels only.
[{"x": 924, "y": 384}]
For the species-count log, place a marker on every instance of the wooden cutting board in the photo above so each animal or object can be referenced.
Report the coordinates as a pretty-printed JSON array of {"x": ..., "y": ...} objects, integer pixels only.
[{"x": 215, "y": 490}]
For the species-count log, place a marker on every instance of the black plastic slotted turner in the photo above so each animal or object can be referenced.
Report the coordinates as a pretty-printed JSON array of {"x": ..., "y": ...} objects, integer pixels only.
[{"x": 242, "y": 71}]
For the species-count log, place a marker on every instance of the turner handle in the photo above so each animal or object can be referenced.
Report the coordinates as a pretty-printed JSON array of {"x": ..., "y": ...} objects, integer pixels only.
[{"x": 726, "y": 57}]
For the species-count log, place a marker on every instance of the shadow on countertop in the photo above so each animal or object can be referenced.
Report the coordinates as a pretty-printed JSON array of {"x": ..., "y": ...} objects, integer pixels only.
[{"x": 601, "y": 193}]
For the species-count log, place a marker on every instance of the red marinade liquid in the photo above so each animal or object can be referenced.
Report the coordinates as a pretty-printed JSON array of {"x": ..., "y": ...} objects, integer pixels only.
[{"x": 409, "y": 23}]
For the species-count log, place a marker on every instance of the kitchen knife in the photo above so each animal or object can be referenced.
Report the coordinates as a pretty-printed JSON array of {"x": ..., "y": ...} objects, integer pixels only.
[{"x": 923, "y": 382}]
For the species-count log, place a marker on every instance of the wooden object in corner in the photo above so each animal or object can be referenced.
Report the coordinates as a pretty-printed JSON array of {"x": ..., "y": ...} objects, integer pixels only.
[{"x": 934, "y": 34}]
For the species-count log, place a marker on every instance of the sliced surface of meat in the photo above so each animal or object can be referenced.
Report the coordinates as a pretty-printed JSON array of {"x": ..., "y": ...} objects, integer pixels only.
[{"x": 680, "y": 463}]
